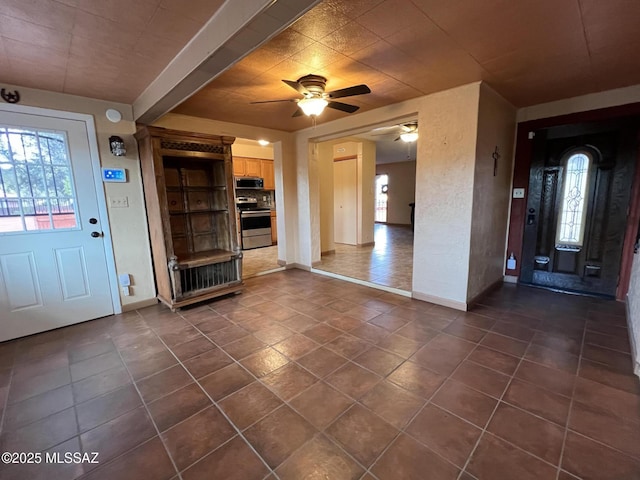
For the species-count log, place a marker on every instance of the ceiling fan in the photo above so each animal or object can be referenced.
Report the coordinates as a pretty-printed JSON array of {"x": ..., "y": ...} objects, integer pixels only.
[
  {"x": 315, "y": 99},
  {"x": 407, "y": 132}
]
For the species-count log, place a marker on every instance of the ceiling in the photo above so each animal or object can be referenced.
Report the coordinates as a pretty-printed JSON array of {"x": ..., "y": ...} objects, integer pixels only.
[{"x": 530, "y": 51}]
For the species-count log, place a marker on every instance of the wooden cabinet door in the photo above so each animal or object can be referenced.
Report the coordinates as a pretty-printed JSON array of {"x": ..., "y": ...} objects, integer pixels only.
[
  {"x": 274, "y": 228},
  {"x": 268, "y": 174},
  {"x": 239, "y": 167},
  {"x": 252, "y": 167}
]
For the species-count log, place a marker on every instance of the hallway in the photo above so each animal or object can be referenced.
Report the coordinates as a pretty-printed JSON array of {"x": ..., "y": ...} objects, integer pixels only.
[
  {"x": 389, "y": 262},
  {"x": 303, "y": 373}
]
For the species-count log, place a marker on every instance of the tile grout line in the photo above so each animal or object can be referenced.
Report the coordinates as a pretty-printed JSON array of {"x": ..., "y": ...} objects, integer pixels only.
[
  {"x": 569, "y": 412},
  {"x": 484, "y": 429}
]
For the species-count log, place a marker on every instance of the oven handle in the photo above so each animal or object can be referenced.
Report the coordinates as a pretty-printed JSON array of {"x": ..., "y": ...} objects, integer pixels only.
[{"x": 246, "y": 213}]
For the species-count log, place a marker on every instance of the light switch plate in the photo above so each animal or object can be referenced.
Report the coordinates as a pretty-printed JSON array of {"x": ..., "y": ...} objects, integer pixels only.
[
  {"x": 518, "y": 193},
  {"x": 119, "y": 202}
]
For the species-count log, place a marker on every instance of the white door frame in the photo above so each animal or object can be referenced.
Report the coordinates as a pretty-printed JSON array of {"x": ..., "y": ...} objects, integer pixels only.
[{"x": 97, "y": 180}]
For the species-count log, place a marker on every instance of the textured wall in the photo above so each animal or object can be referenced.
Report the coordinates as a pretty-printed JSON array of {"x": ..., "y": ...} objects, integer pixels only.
[
  {"x": 444, "y": 194},
  {"x": 633, "y": 310},
  {"x": 402, "y": 190},
  {"x": 491, "y": 198},
  {"x": 325, "y": 177},
  {"x": 366, "y": 195}
]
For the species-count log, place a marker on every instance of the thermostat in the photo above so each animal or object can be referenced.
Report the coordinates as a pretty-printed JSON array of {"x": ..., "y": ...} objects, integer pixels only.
[{"x": 114, "y": 175}]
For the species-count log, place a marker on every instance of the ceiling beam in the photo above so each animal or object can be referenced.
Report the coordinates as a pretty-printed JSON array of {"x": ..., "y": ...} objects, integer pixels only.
[{"x": 237, "y": 28}]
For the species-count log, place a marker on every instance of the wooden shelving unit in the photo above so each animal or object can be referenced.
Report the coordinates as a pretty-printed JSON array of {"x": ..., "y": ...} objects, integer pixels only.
[{"x": 188, "y": 182}]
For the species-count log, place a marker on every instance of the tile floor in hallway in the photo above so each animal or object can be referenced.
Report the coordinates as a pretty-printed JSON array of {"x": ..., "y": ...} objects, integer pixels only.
[
  {"x": 389, "y": 262},
  {"x": 305, "y": 376}
]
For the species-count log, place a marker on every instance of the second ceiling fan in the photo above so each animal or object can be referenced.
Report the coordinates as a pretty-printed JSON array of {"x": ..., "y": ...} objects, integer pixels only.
[{"x": 315, "y": 99}]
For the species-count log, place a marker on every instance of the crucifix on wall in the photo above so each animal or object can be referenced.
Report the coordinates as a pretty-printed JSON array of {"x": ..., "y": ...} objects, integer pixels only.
[{"x": 495, "y": 156}]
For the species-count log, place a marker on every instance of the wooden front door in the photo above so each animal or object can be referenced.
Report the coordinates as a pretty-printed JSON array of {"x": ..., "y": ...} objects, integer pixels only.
[{"x": 579, "y": 191}]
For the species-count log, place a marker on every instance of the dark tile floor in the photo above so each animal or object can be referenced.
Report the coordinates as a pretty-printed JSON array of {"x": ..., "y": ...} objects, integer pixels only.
[{"x": 304, "y": 376}]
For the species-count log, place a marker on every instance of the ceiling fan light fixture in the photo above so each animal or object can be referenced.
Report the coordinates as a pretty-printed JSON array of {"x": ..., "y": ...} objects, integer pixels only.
[
  {"x": 313, "y": 106},
  {"x": 409, "y": 136}
]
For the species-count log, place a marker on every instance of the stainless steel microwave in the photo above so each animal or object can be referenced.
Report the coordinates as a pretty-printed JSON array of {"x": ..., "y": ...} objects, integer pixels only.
[{"x": 249, "y": 183}]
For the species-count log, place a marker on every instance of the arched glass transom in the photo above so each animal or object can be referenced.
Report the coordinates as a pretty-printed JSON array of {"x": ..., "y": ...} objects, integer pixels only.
[{"x": 573, "y": 209}]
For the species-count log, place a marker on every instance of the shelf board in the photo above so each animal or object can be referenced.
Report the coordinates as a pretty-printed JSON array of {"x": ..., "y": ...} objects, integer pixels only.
[
  {"x": 189, "y": 212},
  {"x": 206, "y": 257}
]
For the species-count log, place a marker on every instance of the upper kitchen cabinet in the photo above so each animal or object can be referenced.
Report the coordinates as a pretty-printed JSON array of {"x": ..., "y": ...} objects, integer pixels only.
[
  {"x": 267, "y": 173},
  {"x": 255, "y": 167},
  {"x": 188, "y": 186}
]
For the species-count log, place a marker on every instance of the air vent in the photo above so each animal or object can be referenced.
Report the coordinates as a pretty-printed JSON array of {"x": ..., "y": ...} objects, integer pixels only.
[{"x": 204, "y": 277}]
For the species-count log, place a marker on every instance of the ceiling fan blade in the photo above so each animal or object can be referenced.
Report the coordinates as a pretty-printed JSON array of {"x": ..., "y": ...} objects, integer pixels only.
[
  {"x": 274, "y": 101},
  {"x": 298, "y": 112},
  {"x": 345, "y": 107},
  {"x": 349, "y": 91},
  {"x": 296, "y": 86}
]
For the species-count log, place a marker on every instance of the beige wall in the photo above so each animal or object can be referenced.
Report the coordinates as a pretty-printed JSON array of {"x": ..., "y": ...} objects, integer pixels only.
[
  {"x": 366, "y": 194},
  {"x": 402, "y": 190},
  {"x": 249, "y": 149},
  {"x": 128, "y": 225},
  {"x": 445, "y": 170},
  {"x": 325, "y": 178},
  {"x": 491, "y": 198}
]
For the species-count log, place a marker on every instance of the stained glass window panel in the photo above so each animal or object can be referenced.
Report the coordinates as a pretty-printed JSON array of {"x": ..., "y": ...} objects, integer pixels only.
[{"x": 571, "y": 221}]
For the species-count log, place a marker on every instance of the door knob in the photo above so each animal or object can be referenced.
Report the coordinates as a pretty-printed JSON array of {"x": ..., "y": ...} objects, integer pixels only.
[
  {"x": 93, "y": 221},
  {"x": 96, "y": 234}
]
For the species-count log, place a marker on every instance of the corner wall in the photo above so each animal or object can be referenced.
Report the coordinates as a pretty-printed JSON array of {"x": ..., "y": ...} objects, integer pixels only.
[
  {"x": 448, "y": 123},
  {"x": 491, "y": 194},
  {"x": 129, "y": 234}
]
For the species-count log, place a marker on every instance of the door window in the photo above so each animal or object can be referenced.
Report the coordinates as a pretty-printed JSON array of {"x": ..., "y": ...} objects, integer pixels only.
[
  {"x": 36, "y": 183},
  {"x": 573, "y": 209}
]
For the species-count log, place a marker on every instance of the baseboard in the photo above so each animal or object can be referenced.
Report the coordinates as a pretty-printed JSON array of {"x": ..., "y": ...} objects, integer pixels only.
[
  {"x": 329, "y": 252},
  {"x": 282, "y": 263},
  {"x": 632, "y": 338},
  {"x": 445, "y": 302},
  {"x": 365, "y": 283},
  {"x": 368, "y": 244},
  {"x": 299, "y": 266},
  {"x": 471, "y": 302},
  {"x": 137, "y": 305},
  {"x": 510, "y": 279}
]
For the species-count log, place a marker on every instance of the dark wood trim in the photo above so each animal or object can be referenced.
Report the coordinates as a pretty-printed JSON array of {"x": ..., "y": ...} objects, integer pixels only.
[
  {"x": 348, "y": 157},
  {"x": 522, "y": 167},
  {"x": 484, "y": 293},
  {"x": 633, "y": 220}
]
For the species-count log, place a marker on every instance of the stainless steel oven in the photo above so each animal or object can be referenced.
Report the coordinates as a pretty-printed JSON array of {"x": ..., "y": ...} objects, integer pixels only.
[{"x": 255, "y": 226}]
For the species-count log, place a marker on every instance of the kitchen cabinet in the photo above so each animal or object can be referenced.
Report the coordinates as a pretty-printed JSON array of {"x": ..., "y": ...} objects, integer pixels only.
[
  {"x": 274, "y": 228},
  {"x": 252, "y": 167},
  {"x": 188, "y": 185},
  {"x": 267, "y": 173},
  {"x": 255, "y": 167},
  {"x": 239, "y": 167}
]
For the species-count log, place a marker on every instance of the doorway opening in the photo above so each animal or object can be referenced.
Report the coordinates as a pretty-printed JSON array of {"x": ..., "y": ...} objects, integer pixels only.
[
  {"x": 367, "y": 183},
  {"x": 382, "y": 187}
]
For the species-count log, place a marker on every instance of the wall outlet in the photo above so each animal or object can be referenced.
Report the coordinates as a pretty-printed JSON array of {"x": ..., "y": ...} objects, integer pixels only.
[
  {"x": 518, "y": 193},
  {"x": 119, "y": 202}
]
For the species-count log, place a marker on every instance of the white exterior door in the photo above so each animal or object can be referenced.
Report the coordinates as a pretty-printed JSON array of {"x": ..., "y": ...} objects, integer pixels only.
[
  {"x": 345, "y": 202},
  {"x": 53, "y": 272}
]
